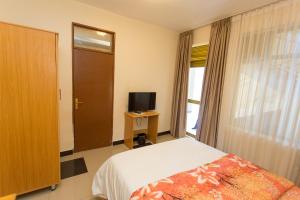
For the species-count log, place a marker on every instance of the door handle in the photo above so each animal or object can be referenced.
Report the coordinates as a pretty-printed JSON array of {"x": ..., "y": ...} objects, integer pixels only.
[{"x": 77, "y": 102}]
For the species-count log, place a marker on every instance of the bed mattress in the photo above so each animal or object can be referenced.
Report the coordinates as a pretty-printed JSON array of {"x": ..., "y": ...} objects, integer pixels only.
[{"x": 126, "y": 172}]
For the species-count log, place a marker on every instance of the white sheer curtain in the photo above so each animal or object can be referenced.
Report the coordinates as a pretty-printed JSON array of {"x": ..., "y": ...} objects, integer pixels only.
[{"x": 260, "y": 114}]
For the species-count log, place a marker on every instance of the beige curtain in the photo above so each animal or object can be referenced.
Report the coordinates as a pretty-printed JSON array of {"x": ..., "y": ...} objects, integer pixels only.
[
  {"x": 178, "y": 118},
  {"x": 260, "y": 114},
  {"x": 210, "y": 104}
]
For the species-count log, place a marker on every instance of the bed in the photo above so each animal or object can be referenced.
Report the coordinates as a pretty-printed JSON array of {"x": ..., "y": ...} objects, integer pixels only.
[
  {"x": 124, "y": 173},
  {"x": 187, "y": 169}
]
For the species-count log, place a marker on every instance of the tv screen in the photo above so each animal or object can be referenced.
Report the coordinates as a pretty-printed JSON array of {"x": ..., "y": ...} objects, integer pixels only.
[{"x": 141, "y": 101}]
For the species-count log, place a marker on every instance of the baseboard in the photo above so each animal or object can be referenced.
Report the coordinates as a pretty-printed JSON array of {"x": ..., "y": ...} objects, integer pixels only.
[
  {"x": 158, "y": 134},
  {"x": 66, "y": 153},
  {"x": 191, "y": 135},
  {"x": 70, "y": 152},
  {"x": 118, "y": 142},
  {"x": 164, "y": 133}
]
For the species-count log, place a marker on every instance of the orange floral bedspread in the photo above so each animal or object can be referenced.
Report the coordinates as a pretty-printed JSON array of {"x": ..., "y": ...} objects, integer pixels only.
[{"x": 225, "y": 179}]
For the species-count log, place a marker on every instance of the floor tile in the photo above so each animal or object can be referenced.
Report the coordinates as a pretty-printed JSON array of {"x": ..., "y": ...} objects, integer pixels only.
[
  {"x": 165, "y": 138},
  {"x": 83, "y": 186},
  {"x": 65, "y": 190},
  {"x": 72, "y": 157},
  {"x": 79, "y": 187},
  {"x": 37, "y": 195}
]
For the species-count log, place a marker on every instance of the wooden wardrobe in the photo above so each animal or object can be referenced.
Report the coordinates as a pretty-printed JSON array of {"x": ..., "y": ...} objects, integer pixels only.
[{"x": 29, "y": 147}]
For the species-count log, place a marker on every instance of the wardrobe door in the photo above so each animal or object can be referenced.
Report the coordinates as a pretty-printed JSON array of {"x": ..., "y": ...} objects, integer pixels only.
[{"x": 29, "y": 149}]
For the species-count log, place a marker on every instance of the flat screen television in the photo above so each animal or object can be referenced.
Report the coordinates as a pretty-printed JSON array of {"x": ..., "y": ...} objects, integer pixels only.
[{"x": 141, "y": 101}]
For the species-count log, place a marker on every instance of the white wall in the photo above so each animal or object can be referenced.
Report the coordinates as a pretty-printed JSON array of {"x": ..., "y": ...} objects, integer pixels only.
[
  {"x": 201, "y": 35},
  {"x": 144, "y": 58}
]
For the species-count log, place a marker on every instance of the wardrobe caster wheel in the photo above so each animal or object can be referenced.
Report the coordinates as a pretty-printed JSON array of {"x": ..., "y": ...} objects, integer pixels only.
[{"x": 52, "y": 187}]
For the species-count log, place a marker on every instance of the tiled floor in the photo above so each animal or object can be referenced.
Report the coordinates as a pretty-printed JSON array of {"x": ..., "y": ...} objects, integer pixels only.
[{"x": 79, "y": 187}]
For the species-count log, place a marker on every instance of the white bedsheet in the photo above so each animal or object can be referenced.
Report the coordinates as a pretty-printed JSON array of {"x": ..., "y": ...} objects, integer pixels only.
[{"x": 126, "y": 172}]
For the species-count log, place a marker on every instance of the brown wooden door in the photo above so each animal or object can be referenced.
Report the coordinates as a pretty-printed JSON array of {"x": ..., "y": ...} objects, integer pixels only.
[{"x": 93, "y": 91}]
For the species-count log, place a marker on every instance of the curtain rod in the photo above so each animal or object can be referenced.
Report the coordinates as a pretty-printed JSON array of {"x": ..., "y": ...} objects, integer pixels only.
[{"x": 243, "y": 12}]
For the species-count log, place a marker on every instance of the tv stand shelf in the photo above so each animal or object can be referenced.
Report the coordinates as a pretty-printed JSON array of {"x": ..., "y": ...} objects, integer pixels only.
[{"x": 129, "y": 126}]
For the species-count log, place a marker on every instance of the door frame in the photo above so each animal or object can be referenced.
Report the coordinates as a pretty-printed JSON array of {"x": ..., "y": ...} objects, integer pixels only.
[{"x": 73, "y": 80}]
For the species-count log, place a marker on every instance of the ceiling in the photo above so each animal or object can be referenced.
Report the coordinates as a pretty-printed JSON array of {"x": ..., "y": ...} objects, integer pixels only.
[{"x": 179, "y": 15}]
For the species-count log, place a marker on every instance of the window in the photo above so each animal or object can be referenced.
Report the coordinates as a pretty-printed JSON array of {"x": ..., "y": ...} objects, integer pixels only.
[
  {"x": 89, "y": 38},
  {"x": 196, "y": 76},
  {"x": 268, "y": 84}
]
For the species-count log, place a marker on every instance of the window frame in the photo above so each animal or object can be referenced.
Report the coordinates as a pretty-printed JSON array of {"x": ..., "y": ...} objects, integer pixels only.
[{"x": 74, "y": 24}]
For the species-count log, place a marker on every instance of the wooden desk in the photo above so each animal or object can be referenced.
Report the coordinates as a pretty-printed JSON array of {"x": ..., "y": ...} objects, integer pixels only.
[
  {"x": 9, "y": 197},
  {"x": 129, "y": 126}
]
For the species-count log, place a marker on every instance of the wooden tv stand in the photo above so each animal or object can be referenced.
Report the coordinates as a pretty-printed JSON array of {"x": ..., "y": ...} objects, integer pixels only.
[{"x": 130, "y": 117}]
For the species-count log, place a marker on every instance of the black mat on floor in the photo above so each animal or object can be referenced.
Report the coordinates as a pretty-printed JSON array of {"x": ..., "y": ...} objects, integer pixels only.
[
  {"x": 72, "y": 168},
  {"x": 138, "y": 145}
]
